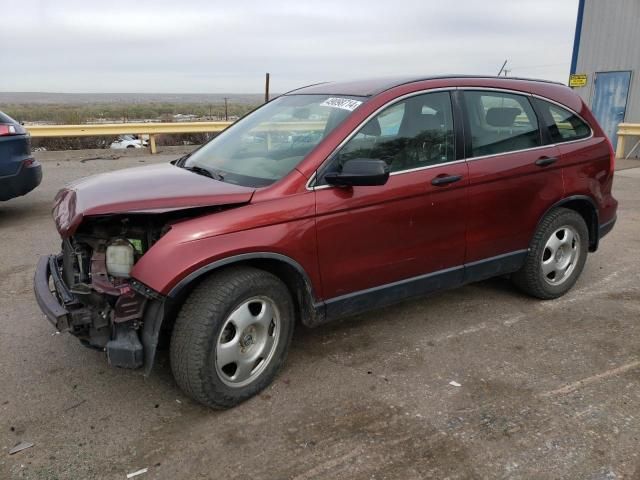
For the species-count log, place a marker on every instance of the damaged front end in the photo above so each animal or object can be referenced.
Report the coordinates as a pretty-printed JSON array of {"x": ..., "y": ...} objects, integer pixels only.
[
  {"x": 107, "y": 223},
  {"x": 87, "y": 290}
]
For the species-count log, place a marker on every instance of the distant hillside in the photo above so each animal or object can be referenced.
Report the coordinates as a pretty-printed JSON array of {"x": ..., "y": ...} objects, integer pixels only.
[{"x": 127, "y": 98}]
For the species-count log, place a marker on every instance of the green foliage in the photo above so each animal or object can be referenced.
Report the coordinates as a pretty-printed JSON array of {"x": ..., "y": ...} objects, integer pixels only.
[{"x": 71, "y": 114}]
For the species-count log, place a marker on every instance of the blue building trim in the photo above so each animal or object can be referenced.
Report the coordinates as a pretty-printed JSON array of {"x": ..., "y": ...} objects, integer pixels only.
[{"x": 576, "y": 38}]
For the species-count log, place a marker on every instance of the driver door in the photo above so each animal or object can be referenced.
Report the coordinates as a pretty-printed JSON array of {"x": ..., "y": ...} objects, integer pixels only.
[{"x": 381, "y": 244}]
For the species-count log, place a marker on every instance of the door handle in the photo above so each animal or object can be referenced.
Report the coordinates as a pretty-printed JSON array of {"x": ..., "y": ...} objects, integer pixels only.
[
  {"x": 545, "y": 161},
  {"x": 442, "y": 180}
]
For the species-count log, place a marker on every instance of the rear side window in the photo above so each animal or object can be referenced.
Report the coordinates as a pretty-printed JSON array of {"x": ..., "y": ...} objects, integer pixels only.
[
  {"x": 500, "y": 122},
  {"x": 4, "y": 118},
  {"x": 563, "y": 125}
]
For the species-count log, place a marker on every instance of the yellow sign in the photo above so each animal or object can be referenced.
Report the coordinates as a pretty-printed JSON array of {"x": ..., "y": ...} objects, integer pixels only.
[{"x": 578, "y": 80}]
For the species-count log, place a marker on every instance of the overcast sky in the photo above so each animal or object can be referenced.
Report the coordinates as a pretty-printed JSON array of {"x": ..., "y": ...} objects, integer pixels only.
[{"x": 207, "y": 46}]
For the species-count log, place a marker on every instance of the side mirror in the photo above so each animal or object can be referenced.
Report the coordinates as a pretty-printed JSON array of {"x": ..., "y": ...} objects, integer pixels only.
[{"x": 360, "y": 172}]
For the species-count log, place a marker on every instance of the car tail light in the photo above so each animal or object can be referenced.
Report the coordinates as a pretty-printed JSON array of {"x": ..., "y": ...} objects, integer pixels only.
[
  {"x": 28, "y": 162},
  {"x": 8, "y": 129},
  {"x": 612, "y": 158}
]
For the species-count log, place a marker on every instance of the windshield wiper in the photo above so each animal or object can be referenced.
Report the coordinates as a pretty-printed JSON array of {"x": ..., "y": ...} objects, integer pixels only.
[{"x": 206, "y": 172}]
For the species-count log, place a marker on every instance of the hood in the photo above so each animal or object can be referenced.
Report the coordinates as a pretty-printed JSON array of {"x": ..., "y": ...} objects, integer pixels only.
[{"x": 150, "y": 189}]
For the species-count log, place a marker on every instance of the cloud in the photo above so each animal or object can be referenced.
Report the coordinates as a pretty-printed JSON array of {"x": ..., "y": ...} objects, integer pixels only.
[{"x": 208, "y": 46}]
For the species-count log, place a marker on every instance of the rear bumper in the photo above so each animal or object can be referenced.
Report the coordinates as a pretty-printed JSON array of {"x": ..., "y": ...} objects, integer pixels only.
[
  {"x": 22, "y": 182},
  {"x": 606, "y": 227}
]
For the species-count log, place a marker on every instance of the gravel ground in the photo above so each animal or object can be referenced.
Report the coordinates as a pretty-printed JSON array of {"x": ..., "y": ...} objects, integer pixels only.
[{"x": 547, "y": 389}]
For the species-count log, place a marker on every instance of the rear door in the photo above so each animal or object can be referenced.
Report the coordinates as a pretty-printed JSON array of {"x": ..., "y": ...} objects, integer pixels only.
[
  {"x": 379, "y": 244},
  {"x": 513, "y": 179}
]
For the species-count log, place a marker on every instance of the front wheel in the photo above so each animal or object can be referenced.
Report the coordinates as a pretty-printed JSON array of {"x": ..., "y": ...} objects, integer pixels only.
[
  {"x": 232, "y": 336},
  {"x": 556, "y": 257}
]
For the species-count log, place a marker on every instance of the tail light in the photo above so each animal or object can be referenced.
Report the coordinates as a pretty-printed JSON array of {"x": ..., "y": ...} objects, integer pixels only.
[
  {"x": 8, "y": 129},
  {"x": 612, "y": 158}
]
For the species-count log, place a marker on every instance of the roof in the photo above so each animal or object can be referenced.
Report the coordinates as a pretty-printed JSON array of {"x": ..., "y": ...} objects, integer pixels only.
[{"x": 373, "y": 86}]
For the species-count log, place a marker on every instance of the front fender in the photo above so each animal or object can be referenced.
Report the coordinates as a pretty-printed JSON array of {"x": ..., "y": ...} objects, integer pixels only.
[{"x": 171, "y": 264}]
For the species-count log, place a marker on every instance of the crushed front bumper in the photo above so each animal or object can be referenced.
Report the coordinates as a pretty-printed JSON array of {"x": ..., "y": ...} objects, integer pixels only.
[
  {"x": 48, "y": 301},
  {"x": 129, "y": 341}
]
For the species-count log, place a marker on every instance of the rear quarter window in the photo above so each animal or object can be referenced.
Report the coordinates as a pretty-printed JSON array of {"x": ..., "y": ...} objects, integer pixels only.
[
  {"x": 563, "y": 125},
  {"x": 4, "y": 118}
]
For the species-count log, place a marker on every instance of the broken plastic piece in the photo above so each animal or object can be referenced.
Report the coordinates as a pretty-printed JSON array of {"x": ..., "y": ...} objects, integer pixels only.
[
  {"x": 454, "y": 384},
  {"x": 137, "y": 472},
  {"x": 19, "y": 447}
]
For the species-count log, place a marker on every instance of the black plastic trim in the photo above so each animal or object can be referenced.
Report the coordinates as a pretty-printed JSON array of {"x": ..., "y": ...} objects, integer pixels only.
[
  {"x": 459, "y": 124},
  {"x": 153, "y": 318},
  {"x": 47, "y": 302},
  {"x": 175, "y": 291},
  {"x": 544, "y": 123},
  {"x": 494, "y": 266},
  {"x": 606, "y": 227},
  {"x": 594, "y": 236},
  {"x": 384, "y": 295},
  {"x": 381, "y": 296},
  {"x": 466, "y": 125}
]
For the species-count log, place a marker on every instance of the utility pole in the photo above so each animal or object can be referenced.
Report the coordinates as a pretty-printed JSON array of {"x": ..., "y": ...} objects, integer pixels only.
[
  {"x": 266, "y": 88},
  {"x": 226, "y": 109},
  {"x": 210, "y": 115},
  {"x": 502, "y": 68}
]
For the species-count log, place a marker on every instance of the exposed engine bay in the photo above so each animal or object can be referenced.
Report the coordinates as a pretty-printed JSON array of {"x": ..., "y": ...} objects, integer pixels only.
[{"x": 106, "y": 307}]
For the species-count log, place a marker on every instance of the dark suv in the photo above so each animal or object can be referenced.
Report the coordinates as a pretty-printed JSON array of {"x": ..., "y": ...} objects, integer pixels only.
[
  {"x": 19, "y": 172},
  {"x": 328, "y": 201}
]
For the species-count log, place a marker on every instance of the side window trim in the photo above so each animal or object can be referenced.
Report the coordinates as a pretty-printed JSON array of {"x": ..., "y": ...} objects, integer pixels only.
[{"x": 457, "y": 132}]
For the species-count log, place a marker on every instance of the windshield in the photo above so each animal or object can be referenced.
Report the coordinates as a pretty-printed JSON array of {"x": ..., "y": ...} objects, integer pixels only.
[{"x": 267, "y": 144}]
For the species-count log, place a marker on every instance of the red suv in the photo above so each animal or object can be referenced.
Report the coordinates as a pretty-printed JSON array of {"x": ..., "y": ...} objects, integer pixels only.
[{"x": 327, "y": 201}]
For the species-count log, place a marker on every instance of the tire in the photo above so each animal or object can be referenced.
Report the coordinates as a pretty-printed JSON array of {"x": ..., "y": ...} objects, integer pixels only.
[
  {"x": 554, "y": 261},
  {"x": 131, "y": 146},
  {"x": 215, "y": 326}
]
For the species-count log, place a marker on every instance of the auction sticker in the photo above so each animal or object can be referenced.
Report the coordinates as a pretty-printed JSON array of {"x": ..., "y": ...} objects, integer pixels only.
[{"x": 344, "y": 103}]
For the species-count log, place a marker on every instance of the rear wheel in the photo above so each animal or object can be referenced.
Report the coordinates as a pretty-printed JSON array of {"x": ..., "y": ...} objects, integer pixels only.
[
  {"x": 231, "y": 336},
  {"x": 556, "y": 257}
]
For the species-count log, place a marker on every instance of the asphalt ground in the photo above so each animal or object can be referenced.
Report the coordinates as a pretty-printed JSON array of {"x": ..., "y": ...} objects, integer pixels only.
[{"x": 547, "y": 389}]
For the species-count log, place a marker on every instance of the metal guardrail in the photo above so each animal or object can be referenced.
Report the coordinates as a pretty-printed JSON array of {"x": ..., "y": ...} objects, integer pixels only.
[
  {"x": 627, "y": 130},
  {"x": 153, "y": 129}
]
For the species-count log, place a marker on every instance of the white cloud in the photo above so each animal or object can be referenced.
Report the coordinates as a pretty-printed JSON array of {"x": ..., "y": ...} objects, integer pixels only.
[{"x": 206, "y": 46}]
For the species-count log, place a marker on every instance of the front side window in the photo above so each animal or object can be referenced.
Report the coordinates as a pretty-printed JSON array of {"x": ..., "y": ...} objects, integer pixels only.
[
  {"x": 500, "y": 122},
  {"x": 267, "y": 144},
  {"x": 563, "y": 125},
  {"x": 414, "y": 133}
]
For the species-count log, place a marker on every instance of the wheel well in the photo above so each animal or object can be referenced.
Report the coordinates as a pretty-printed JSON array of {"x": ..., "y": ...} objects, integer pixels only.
[
  {"x": 301, "y": 291},
  {"x": 588, "y": 212}
]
